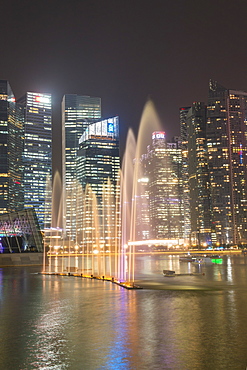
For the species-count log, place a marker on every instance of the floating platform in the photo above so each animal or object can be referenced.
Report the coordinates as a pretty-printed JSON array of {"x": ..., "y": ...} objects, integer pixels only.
[
  {"x": 170, "y": 273},
  {"x": 123, "y": 284}
]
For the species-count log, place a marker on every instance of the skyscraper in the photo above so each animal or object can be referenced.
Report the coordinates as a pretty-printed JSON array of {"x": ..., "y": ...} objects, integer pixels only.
[
  {"x": 198, "y": 176},
  {"x": 11, "y": 146},
  {"x": 98, "y": 166},
  {"x": 37, "y": 154},
  {"x": 184, "y": 173},
  {"x": 77, "y": 113},
  {"x": 165, "y": 188},
  {"x": 227, "y": 149}
]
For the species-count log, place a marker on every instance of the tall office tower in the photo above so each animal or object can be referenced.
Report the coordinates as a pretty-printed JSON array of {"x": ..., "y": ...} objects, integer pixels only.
[
  {"x": 77, "y": 113},
  {"x": 37, "y": 154},
  {"x": 165, "y": 187},
  {"x": 198, "y": 174},
  {"x": 185, "y": 174},
  {"x": 98, "y": 173},
  {"x": 11, "y": 146},
  {"x": 226, "y": 140}
]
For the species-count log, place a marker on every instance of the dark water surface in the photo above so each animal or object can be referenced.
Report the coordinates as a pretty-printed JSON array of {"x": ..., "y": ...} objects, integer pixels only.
[{"x": 184, "y": 322}]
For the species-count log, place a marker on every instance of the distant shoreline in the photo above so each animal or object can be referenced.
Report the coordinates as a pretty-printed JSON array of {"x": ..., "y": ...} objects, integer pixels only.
[
  {"x": 21, "y": 259},
  {"x": 36, "y": 259}
]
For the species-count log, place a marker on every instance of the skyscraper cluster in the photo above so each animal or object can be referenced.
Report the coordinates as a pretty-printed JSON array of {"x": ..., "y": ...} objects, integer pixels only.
[
  {"x": 90, "y": 159},
  {"x": 194, "y": 188},
  {"x": 91, "y": 165},
  {"x": 25, "y": 152},
  {"x": 191, "y": 189},
  {"x": 214, "y": 167}
]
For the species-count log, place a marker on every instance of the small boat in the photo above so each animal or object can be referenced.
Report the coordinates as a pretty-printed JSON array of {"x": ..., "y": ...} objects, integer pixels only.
[
  {"x": 208, "y": 259},
  {"x": 198, "y": 260},
  {"x": 168, "y": 273},
  {"x": 214, "y": 256},
  {"x": 187, "y": 258}
]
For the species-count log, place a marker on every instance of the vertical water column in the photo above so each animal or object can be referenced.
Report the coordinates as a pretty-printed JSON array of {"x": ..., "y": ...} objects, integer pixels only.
[
  {"x": 47, "y": 222},
  {"x": 127, "y": 176},
  {"x": 149, "y": 123},
  {"x": 117, "y": 226}
]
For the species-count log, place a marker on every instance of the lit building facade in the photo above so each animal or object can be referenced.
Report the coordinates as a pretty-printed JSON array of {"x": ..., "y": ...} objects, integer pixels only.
[
  {"x": 37, "y": 154},
  {"x": 165, "y": 188},
  {"x": 11, "y": 147},
  {"x": 78, "y": 112},
  {"x": 198, "y": 176},
  {"x": 98, "y": 171},
  {"x": 227, "y": 158},
  {"x": 20, "y": 232},
  {"x": 184, "y": 173}
]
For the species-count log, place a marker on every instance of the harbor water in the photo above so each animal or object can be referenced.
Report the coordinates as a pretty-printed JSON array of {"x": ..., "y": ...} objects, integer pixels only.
[{"x": 186, "y": 322}]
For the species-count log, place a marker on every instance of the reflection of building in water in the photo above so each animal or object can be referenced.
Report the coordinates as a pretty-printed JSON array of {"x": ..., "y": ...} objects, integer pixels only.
[
  {"x": 98, "y": 166},
  {"x": 20, "y": 232},
  {"x": 165, "y": 188}
]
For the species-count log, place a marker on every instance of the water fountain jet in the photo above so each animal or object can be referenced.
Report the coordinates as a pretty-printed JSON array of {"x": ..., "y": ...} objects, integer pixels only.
[{"x": 93, "y": 246}]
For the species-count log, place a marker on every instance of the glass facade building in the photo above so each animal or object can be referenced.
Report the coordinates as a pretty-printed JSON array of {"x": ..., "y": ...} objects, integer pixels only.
[
  {"x": 184, "y": 172},
  {"x": 37, "y": 154},
  {"x": 165, "y": 188},
  {"x": 78, "y": 112},
  {"x": 198, "y": 176},
  {"x": 227, "y": 159},
  {"x": 98, "y": 173},
  {"x": 11, "y": 147},
  {"x": 20, "y": 232}
]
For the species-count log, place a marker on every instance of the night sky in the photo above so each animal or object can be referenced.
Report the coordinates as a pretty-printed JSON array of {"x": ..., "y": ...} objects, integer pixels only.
[{"x": 124, "y": 51}]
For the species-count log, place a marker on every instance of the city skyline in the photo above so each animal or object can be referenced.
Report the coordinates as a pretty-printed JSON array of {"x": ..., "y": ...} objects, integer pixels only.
[
  {"x": 124, "y": 52},
  {"x": 212, "y": 150}
]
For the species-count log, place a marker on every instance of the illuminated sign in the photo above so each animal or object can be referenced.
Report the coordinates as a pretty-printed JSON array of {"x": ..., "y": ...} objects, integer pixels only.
[
  {"x": 158, "y": 135},
  {"x": 110, "y": 128},
  {"x": 107, "y": 127},
  {"x": 42, "y": 99}
]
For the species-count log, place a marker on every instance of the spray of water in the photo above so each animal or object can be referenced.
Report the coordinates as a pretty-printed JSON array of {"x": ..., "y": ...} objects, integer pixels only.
[{"x": 104, "y": 227}]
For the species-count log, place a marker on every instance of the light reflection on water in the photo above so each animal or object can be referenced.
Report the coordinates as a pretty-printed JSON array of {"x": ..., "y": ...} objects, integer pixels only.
[{"x": 189, "y": 322}]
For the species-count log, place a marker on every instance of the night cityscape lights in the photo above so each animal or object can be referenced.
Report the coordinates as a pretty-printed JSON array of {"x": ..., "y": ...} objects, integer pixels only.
[
  {"x": 77, "y": 113},
  {"x": 11, "y": 149},
  {"x": 191, "y": 190},
  {"x": 98, "y": 173},
  {"x": 37, "y": 154}
]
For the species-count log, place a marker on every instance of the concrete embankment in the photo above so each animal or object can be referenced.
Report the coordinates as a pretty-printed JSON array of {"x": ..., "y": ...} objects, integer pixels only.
[{"x": 21, "y": 259}]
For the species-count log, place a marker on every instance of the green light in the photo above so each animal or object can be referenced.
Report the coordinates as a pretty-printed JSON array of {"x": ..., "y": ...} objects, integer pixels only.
[{"x": 217, "y": 260}]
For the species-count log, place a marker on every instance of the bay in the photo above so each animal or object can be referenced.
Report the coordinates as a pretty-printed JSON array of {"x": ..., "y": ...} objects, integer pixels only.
[{"x": 183, "y": 322}]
